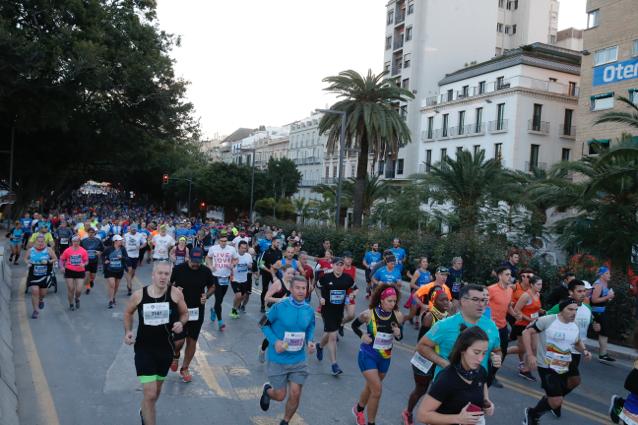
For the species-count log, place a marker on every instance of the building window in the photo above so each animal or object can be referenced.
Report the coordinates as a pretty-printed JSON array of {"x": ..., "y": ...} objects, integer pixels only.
[
  {"x": 406, "y": 60},
  {"x": 481, "y": 87},
  {"x": 390, "y": 17},
  {"x": 500, "y": 83},
  {"x": 327, "y": 172},
  {"x": 381, "y": 167},
  {"x": 446, "y": 119},
  {"x": 459, "y": 149},
  {"x": 513, "y": 29},
  {"x": 501, "y": 3},
  {"x": 552, "y": 39},
  {"x": 633, "y": 96},
  {"x": 507, "y": 29},
  {"x": 388, "y": 43},
  {"x": 498, "y": 151},
  {"x": 465, "y": 91},
  {"x": 598, "y": 146},
  {"x": 334, "y": 171},
  {"x": 500, "y": 116},
  {"x": 533, "y": 157},
  {"x": 512, "y": 5},
  {"x": 430, "y": 127},
  {"x": 592, "y": 18},
  {"x": 477, "y": 149},
  {"x": 404, "y": 111},
  {"x": 478, "y": 122},
  {"x": 634, "y": 49},
  {"x": 499, "y": 27},
  {"x": 353, "y": 170},
  {"x": 408, "y": 34},
  {"x": 410, "y": 8},
  {"x": 607, "y": 55},
  {"x": 386, "y": 67},
  {"x": 567, "y": 123},
  {"x": 572, "y": 89},
  {"x": 461, "y": 122},
  {"x": 602, "y": 101},
  {"x": 536, "y": 117},
  {"x": 564, "y": 156},
  {"x": 405, "y": 83},
  {"x": 400, "y": 166},
  {"x": 428, "y": 160},
  {"x": 450, "y": 95},
  {"x": 443, "y": 154}
]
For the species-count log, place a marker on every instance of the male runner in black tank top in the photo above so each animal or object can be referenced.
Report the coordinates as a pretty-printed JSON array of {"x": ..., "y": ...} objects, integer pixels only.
[{"x": 161, "y": 312}]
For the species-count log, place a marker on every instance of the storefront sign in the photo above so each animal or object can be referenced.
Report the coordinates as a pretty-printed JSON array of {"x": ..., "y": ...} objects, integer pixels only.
[{"x": 616, "y": 72}]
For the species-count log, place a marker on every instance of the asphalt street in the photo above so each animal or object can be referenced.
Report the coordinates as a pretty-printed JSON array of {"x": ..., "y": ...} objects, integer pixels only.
[{"x": 73, "y": 368}]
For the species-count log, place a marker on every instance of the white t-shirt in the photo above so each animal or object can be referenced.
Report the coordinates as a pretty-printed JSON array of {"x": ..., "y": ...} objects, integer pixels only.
[
  {"x": 162, "y": 245},
  {"x": 556, "y": 342},
  {"x": 242, "y": 268},
  {"x": 583, "y": 319},
  {"x": 133, "y": 243},
  {"x": 222, "y": 259},
  {"x": 238, "y": 239}
]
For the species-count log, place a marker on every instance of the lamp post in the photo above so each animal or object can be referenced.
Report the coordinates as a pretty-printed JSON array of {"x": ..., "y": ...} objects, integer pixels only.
[
  {"x": 252, "y": 183},
  {"x": 342, "y": 140}
]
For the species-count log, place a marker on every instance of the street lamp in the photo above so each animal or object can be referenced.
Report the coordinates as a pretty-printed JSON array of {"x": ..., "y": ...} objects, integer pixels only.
[
  {"x": 342, "y": 140},
  {"x": 165, "y": 180},
  {"x": 252, "y": 182}
]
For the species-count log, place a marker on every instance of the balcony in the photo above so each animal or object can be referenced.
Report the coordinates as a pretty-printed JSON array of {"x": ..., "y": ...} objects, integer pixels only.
[
  {"x": 427, "y": 136},
  {"x": 538, "y": 127},
  {"x": 396, "y": 69},
  {"x": 531, "y": 166},
  {"x": 442, "y": 133},
  {"x": 567, "y": 132},
  {"x": 498, "y": 126},
  {"x": 308, "y": 183},
  {"x": 478, "y": 128},
  {"x": 329, "y": 180},
  {"x": 398, "y": 44},
  {"x": 400, "y": 18}
]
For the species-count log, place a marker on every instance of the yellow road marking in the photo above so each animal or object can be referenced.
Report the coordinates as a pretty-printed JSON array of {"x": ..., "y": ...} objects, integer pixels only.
[
  {"x": 42, "y": 391},
  {"x": 266, "y": 420},
  {"x": 209, "y": 375}
]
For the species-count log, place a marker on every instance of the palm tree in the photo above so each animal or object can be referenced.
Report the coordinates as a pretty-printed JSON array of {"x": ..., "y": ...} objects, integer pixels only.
[
  {"x": 629, "y": 118},
  {"x": 373, "y": 126},
  {"x": 374, "y": 189},
  {"x": 467, "y": 182},
  {"x": 302, "y": 206}
]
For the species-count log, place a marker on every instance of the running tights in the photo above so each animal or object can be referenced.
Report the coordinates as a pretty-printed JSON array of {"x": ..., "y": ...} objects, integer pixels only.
[
  {"x": 220, "y": 292},
  {"x": 421, "y": 384}
]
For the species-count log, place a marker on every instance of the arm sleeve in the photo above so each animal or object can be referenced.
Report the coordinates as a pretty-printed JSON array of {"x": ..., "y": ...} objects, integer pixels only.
[{"x": 355, "y": 327}]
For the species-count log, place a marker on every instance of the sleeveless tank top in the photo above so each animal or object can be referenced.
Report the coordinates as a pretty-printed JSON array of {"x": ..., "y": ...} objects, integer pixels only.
[
  {"x": 380, "y": 330},
  {"x": 282, "y": 293},
  {"x": 436, "y": 316},
  {"x": 40, "y": 260},
  {"x": 180, "y": 255},
  {"x": 600, "y": 307},
  {"x": 530, "y": 310},
  {"x": 155, "y": 320}
]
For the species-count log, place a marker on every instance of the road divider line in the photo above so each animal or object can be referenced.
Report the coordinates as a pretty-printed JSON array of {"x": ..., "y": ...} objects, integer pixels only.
[
  {"x": 44, "y": 398},
  {"x": 209, "y": 375}
]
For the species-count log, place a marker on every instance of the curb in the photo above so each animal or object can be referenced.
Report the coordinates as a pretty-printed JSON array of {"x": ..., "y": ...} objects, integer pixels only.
[
  {"x": 617, "y": 351},
  {"x": 8, "y": 390}
]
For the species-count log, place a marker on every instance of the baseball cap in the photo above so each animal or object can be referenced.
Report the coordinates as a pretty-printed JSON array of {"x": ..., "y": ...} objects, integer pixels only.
[
  {"x": 442, "y": 269},
  {"x": 587, "y": 285},
  {"x": 337, "y": 260},
  {"x": 118, "y": 238},
  {"x": 347, "y": 254},
  {"x": 197, "y": 255}
]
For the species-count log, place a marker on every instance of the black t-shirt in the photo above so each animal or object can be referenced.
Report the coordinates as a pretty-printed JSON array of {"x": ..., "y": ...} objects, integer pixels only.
[
  {"x": 333, "y": 289},
  {"x": 193, "y": 282},
  {"x": 454, "y": 393}
]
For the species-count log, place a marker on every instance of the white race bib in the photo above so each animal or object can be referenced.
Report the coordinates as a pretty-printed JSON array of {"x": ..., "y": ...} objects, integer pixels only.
[
  {"x": 421, "y": 363},
  {"x": 534, "y": 315},
  {"x": 75, "y": 260},
  {"x": 193, "y": 314},
  {"x": 628, "y": 418},
  {"x": 337, "y": 296},
  {"x": 294, "y": 341},
  {"x": 558, "y": 362},
  {"x": 64, "y": 241},
  {"x": 156, "y": 314},
  {"x": 40, "y": 270},
  {"x": 383, "y": 341}
]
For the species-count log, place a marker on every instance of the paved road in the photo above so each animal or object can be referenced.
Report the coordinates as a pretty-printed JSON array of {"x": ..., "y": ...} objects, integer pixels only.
[{"x": 72, "y": 368}]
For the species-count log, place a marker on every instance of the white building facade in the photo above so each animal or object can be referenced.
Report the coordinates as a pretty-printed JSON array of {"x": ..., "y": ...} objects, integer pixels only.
[
  {"x": 519, "y": 107},
  {"x": 427, "y": 38}
]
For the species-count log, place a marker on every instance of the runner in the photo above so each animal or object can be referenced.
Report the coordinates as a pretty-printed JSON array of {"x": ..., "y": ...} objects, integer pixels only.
[
  {"x": 331, "y": 290},
  {"x": 600, "y": 296},
  {"x": 278, "y": 291},
  {"x": 268, "y": 259},
  {"x": 240, "y": 277},
  {"x": 500, "y": 306},
  {"x": 455, "y": 278},
  {"x": 63, "y": 236},
  {"x": 399, "y": 253},
  {"x": 370, "y": 260},
  {"x": 162, "y": 245},
  {"x": 557, "y": 334},
  {"x": 420, "y": 277},
  {"x": 421, "y": 367},
  {"x": 161, "y": 312},
  {"x": 94, "y": 249},
  {"x": 26, "y": 223},
  {"x": 16, "y": 234},
  {"x": 561, "y": 292},
  {"x": 422, "y": 297},
  {"x": 351, "y": 294},
  {"x": 48, "y": 237},
  {"x": 627, "y": 410},
  {"x": 74, "y": 259},
  {"x": 309, "y": 273},
  {"x": 197, "y": 284},
  {"x": 115, "y": 264},
  {"x": 288, "y": 258},
  {"x": 133, "y": 242},
  {"x": 384, "y": 322},
  {"x": 40, "y": 259},
  {"x": 221, "y": 259},
  {"x": 387, "y": 274},
  {"x": 459, "y": 394},
  {"x": 179, "y": 253},
  {"x": 527, "y": 308},
  {"x": 288, "y": 326}
]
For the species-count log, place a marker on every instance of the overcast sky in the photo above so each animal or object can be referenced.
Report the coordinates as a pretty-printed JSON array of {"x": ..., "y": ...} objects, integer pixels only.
[{"x": 260, "y": 62}]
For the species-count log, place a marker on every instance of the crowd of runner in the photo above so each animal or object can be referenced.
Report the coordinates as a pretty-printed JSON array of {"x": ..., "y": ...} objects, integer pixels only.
[{"x": 465, "y": 330}]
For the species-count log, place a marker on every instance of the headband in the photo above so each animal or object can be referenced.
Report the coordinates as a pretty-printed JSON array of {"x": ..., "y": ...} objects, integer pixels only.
[{"x": 388, "y": 292}]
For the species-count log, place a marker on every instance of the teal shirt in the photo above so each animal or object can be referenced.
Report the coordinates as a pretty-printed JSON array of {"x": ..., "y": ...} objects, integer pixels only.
[{"x": 445, "y": 332}]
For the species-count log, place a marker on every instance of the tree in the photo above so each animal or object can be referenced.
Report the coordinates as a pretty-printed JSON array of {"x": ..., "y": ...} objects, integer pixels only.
[
  {"x": 374, "y": 189},
  {"x": 402, "y": 209},
  {"x": 283, "y": 177},
  {"x": 373, "y": 126},
  {"x": 628, "y": 118}
]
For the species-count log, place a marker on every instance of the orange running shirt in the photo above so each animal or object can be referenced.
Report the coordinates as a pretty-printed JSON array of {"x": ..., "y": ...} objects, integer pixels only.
[{"x": 500, "y": 300}]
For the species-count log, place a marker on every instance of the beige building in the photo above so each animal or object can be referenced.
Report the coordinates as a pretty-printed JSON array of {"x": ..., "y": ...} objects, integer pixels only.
[{"x": 609, "y": 69}]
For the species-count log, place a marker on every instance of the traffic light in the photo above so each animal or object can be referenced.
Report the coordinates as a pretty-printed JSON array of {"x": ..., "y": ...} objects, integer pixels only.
[
  {"x": 202, "y": 205},
  {"x": 165, "y": 179}
]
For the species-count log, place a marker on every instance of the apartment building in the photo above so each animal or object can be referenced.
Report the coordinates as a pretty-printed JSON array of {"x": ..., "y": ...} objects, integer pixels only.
[
  {"x": 425, "y": 39},
  {"x": 263, "y": 143},
  {"x": 609, "y": 70},
  {"x": 518, "y": 107}
]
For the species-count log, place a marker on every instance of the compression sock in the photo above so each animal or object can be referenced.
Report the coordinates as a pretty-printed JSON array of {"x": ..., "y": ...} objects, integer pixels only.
[{"x": 542, "y": 407}]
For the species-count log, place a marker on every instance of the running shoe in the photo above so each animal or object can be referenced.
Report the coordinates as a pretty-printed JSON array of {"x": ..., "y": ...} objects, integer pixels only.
[
  {"x": 71, "y": 307},
  {"x": 360, "y": 417},
  {"x": 264, "y": 401},
  {"x": 606, "y": 358},
  {"x": 530, "y": 418},
  {"x": 186, "y": 375},
  {"x": 213, "y": 316},
  {"x": 242, "y": 308},
  {"x": 262, "y": 309},
  {"x": 88, "y": 291},
  {"x": 141, "y": 417},
  {"x": 35, "y": 315},
  {"x": 341, "y": 330},
  {"x": 222, "y": 325},
  {"x": 336, "y": 370},
  {"x": 110, "y": 304},
  {"x": 129, "y": 292},
  {"x": 92, "y": 284},
  {"x": 261, "y": 354},
  {"x": 41, "y": 304},
  {"x": 615, "y": 407},
  {"x": 234, "y": 314},
  {"x": 282, "y": 422},
  {"x": 557, "y": 412},
  {"x": 527, "y": 375},
  {"x": 175, "y": 364},
  {"x": 77, "y": 303},
  {"x": 407, "y": 418},
  {"x": 319, "y": 352}
]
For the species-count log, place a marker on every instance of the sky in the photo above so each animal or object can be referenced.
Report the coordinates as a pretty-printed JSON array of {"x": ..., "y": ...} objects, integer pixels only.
[{"x": 259, "y": 62}]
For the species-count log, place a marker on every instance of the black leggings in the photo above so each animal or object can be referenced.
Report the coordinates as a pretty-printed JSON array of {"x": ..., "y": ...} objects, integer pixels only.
[
  {"x": 264, "y": 344},
  {"x": 266, "y": 278},
  {"x": 421, "y": 384},
  {"x": 220, "y": 292}
]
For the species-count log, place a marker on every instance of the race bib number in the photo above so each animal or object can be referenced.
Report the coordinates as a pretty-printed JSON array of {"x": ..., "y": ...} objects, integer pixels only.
[
  {"x": 179, "y": 260},
  {"x": 456, "y": 287},
  {"x": 64, "y": 241},
  {"x": 294, "y": 341},
  {"x": 76, "y": 260},
  {"x": 116, "y": 264},
  {"x": 223, "y": 281},
  {"x": 92, "y": 254},
  {"x": 421, "y": 363},
  {"x": 156, "y": 314},
  {"x": 558, "y": 362},
  {"x": 40, "y": 270},
  {"x": 534, "y": 315},
  {"x": 383, "y": 341},
  {"x": 193, "y": 314},
  {"x": 337, "y": 296},
  {"x": 628, "y": 417}
]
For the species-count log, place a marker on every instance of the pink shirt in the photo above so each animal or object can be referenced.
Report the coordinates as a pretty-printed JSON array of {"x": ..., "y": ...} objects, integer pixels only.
[{"x": 75, "y": 259}]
